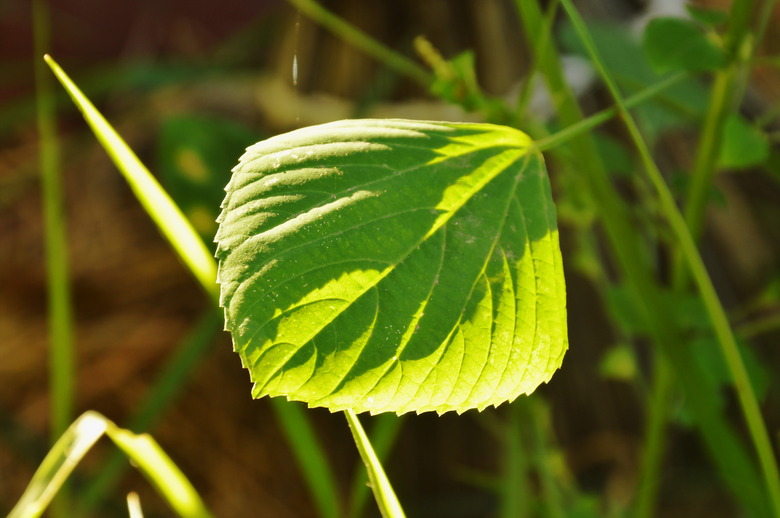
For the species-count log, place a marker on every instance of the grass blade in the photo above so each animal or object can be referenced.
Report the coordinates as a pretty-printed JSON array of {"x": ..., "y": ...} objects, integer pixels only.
[
  {"x": 144, "y": 451},
  {"x": 157, "y": 203},
  {"x": 168, "y": 385},
  {"x": 160, "y": 470},
  {"x": 60, "y": 319},
  {"x": 58, "y": 464},
  {"x": 310, "y": 456}
]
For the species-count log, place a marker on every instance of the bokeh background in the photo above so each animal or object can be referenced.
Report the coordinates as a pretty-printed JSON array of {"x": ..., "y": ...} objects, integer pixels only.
[{"x": 189, "y": 84}]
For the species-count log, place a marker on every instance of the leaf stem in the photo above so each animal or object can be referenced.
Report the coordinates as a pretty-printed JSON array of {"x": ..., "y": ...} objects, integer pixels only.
[
  {"x": 383, "y": 491},
  {"x": 743, "y": 387}
]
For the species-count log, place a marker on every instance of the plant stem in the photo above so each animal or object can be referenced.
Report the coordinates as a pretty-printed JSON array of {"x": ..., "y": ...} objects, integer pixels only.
[
  {"x": 383, "y": 434},
  {"x": 742, "y": 385},
  {"x": 597, "y": 119},
  {"x": 516, "y": 493},
  {"x": 724, "y": 97},
  {"x": 380, "y": 485},
  {"x": 61, "y": 348},
  {"x": 361, "y": 40},
  {"x": 654, "y": 440}
]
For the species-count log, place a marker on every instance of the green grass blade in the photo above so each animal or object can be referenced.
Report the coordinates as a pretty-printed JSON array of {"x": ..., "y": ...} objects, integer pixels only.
[
  {"x": 747, "y": 398},
  {"x": 723, "y": 444},
  {"x": 61, "y": 371},
  {"x": 160, "y": 470},
  {"x": 310, "y": 456},
  {"x": 143, "y": 450},
  {"x": 383, "y": 491},
  {"x": 169, "y": 219},
  {"x": 58, "y": 464},
  {"x": 516, "y": 491}
]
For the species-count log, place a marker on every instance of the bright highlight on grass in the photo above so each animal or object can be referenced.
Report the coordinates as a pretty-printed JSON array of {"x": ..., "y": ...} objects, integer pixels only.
[{"x": 143, "y": 450}]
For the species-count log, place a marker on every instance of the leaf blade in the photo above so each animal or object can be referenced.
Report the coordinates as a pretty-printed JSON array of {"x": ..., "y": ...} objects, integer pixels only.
[{"x": 354, "y": 259}]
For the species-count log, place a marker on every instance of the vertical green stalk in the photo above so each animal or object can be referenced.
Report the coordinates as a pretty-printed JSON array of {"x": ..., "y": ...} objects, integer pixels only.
[
  {"x": 310, "y": 456},
  {"x": 747, "y": 399},
  {"x": 516, "y": 493},
  {"x": 724, "y": 97},
  {"x": 380, "y": 485},
  {"x": 60, "y": 325},
  {"x": 539, "y": 419}
]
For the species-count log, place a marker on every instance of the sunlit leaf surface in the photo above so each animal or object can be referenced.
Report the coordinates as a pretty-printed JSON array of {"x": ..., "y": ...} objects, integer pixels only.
[{"x": 392, "y": 265}]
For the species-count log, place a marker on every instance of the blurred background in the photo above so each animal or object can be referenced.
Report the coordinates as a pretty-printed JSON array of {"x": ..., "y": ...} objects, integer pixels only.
[{"x": 189, "y": 84}]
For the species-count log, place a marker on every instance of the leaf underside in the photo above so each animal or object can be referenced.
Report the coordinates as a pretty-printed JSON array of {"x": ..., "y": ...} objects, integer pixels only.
[{"x": 393, "y": 265}]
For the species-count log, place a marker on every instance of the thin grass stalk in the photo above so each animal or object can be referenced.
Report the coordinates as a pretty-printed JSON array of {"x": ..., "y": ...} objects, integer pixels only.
[
  {"x": 61, "y": 370},
  {"x": 747, "y": 399},
  {"x": 724, "y": 98},
  {"x": 516, "y": 493},
  {"x": 543, "y": 40},
  {"x": 155, "y": 201},
  {"x": 538, "y": 415},
  {"x": 385, "y": 497},
  {"x": 60, "y": 319},
  {"x": 316, "y": 470}
]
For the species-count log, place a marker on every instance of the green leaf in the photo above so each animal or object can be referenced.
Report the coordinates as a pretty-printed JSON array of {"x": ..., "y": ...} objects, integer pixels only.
[
  {"x": 674, "y": 44},
  {"x": 744, "y": 145},
  {"x": 391, "y": 265},
  {"x": 707, "y": 16}
]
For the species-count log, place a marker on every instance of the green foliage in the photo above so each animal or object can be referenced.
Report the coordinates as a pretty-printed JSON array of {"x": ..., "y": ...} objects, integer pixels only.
[
  {"x": 393, "y": 266},
  {"x": 674, "y": 44},
  {"x": 619, "y": 51},
  {"x": 744, "y": 145}
]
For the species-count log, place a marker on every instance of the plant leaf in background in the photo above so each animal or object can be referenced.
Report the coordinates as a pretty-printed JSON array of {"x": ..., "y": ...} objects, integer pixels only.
[
  {"x": 391, "y": 265},
  {"x": 744, "y": 145},
  {"x": 674, "y": 45}
]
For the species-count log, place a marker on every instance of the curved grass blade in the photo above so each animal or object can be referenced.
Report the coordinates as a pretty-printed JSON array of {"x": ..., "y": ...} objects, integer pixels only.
[
  {"x": 392, "y": 265},
  {"x": 144, "y": 451}
]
